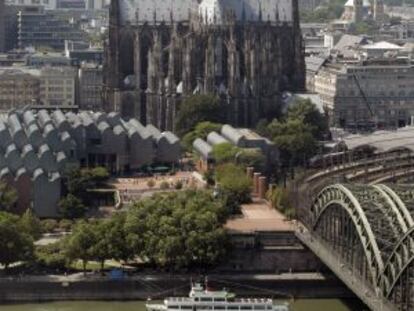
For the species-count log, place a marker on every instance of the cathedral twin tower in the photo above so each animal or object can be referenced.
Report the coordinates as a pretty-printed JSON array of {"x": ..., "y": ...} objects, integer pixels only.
[{"x": 159, "y": 52}]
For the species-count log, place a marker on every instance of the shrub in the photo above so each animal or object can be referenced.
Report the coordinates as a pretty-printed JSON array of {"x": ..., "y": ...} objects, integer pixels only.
[
  {"x": 178, "y": 185},
  {"x": 51, "y": 256},
  {"x": 49, "y": 225},
  {"x": 151, "y": 183},
  {"x": 65, "y": 225},
  {"x": 164, "y": 185}
]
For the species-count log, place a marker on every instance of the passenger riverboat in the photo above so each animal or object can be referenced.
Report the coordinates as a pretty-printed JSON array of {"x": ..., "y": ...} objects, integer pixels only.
[{"x": 205, "y": 299}]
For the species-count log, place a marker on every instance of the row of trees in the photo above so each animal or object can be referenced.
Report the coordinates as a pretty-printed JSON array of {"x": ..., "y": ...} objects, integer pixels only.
[{"x": 171, "y": 230}]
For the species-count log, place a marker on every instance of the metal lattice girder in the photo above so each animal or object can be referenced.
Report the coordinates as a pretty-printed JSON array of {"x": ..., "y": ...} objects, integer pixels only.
[
  {"x": 403, "y": 252},
  {"x": 382, "y": 217},
  {"x": 399, "y": 204},
  {"x": 340, "y": 195},
  {"x": 399, "y": 260}
]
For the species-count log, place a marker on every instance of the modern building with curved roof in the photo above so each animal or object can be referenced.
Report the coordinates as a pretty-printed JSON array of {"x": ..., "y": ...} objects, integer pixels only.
[{"x": 243, "y": 138}]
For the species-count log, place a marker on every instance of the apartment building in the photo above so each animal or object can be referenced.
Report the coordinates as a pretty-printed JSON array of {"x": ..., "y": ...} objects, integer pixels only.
[
  {"x": 90, "y": 87},
  {"x": 377, "y": 91},
  {"x": 18, "y": 88},
  {"x": 57, "y": 87},
  {"x": 47, "y": 87}
]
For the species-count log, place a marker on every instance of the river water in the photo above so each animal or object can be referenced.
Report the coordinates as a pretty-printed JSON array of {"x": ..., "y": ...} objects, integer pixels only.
[{"x": 298, "y": 305}]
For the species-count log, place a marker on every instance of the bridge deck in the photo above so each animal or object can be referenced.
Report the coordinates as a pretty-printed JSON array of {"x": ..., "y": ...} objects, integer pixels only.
[{"x": 344, "y": 273}]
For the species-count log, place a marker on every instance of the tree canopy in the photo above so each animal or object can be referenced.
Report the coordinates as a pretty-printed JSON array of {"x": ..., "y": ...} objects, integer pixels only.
[
  {"x": 15, "y": 244},
  {"x": 296, "y": 135},
  {"x": 196, "y": 109},
  {"x": 224, "y": 153},
  {"x": 78, "y": 182},
  {"x": 8, "y": 197},
  {"x": 178, "y": 229},
  {"x": 304, "y": 109},
  {"x": 294, "y": 139},
  {"x": 234, "y": 186},
  {"x": 201, "y": 130}
]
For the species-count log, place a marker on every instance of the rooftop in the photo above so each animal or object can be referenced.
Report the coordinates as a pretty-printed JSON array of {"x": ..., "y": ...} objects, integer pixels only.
[{"x": 382, "y": 45}]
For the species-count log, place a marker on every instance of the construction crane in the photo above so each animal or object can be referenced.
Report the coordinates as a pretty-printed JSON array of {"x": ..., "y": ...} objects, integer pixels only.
[{"x": 371, "y": 111}]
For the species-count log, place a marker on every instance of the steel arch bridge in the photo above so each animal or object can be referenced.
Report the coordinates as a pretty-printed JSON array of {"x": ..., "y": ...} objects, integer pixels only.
[{"x": 365, "y": 234}]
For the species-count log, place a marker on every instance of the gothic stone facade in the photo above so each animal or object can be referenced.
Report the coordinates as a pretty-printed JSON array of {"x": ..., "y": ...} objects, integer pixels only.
[{"x": 157, "y": 55}]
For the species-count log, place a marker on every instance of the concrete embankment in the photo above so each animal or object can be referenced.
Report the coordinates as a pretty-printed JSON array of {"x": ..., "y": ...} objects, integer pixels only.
[{"x": 36, "y": 289}]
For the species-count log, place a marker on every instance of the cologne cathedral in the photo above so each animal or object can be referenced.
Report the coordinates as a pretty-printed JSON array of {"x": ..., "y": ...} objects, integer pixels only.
[{"x": 159, "y": 52}]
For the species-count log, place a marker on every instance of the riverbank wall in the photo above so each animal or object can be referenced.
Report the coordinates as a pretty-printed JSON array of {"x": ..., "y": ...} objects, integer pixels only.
[{"x": 291, "y": 286}]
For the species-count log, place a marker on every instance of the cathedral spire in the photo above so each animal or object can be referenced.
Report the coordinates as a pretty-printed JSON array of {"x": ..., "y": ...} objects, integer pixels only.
[
  {"x": 277, "y": 12},
  {"x": 260, "y": 11},
  {"x": 137, "y": 16},
  {"x": 243, "y": 14}
]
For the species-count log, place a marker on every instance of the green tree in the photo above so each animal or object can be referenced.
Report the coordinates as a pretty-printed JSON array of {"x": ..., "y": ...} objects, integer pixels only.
[
  {"x": 178, "y": 229},
  {"x": 99, "y": 175},
  {"x": 251, "y": 157},
  {"x": 196, "y": 109},
  {"x": 79, "y": 245},
  {"x": 234, "y": 185},
  {"x": 116, "y": 239},
  {"x": 8, "y": 197},
  {"x": 294, "y": 139},
  {"x": 31, "y": 225},
  {"x": 71, "y": 207},
  {"x": 201, "y": 130},
  {"x": 305, "y": 110},
  {"x": 79, "y": 181},
  {"x": 262, "y": 127},
  {"x": 99, "y": 251},
  {"x": 225, "y": 152},
  {"x": 15, "y": 244}
]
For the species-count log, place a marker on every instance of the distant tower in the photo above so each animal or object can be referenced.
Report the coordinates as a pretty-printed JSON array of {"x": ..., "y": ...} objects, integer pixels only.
[
  {"x": 358, "y": 11},
  {"x": 379, "y": 10}
]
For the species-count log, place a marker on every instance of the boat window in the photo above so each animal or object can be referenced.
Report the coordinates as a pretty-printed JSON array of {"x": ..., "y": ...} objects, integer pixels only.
[
  {"x": 233, "y": 308},
  {"x": 246, "y": 307},
  {"x": 186, "y": 307},
  {"x": 219, "y": 307},
  {"x": 219, "y": 299},
  {"x": 205, "y": 299},
  {"x": 259, "y": 307},
  {"x": 173, "y": 307}
]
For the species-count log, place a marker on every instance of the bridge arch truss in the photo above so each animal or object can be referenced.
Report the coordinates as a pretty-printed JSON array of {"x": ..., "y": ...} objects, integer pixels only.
[{"x": 370, "y": 228}]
